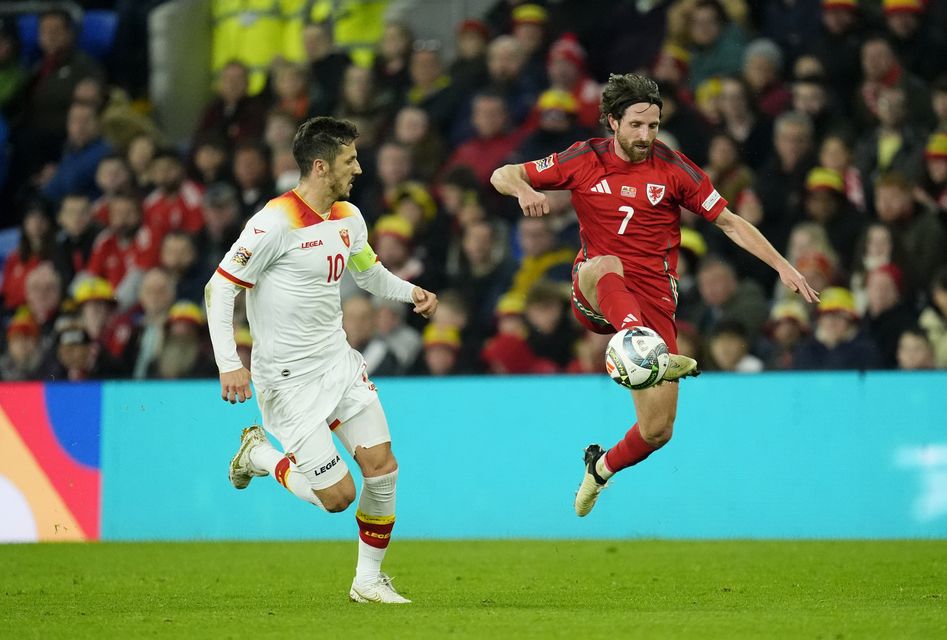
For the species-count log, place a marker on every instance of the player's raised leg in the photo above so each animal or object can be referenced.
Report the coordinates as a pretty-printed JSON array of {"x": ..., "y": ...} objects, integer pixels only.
[
  {"x": 366, "y": 435},
  {"x": 656, "y": 409},
  {"x": 601, "y": 281}
]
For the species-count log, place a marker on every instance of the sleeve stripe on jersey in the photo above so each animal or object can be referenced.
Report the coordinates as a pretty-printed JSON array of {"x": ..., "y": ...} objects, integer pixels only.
[
  {"x": 567, "y": 155},
  {"x": 670, "y": 157},
  {"x": 234, "y": 279}
]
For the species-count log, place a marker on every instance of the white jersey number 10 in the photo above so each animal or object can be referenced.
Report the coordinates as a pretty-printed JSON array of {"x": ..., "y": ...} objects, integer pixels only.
[{"x": 336, "y": 267}]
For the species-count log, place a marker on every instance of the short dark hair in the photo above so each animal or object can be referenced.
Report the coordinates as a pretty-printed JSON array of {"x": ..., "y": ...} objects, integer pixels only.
[
  {"x": 621, "y": 91},
  {"x": 321, "y": 138},
  {"x": 67, "y": 18}
]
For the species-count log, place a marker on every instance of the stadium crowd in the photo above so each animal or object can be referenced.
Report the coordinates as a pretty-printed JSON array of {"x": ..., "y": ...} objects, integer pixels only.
[{"x": 823, "y": 123}]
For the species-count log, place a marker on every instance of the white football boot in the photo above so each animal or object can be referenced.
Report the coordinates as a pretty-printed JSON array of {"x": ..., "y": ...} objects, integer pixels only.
[
  {"x": 378, "y": 590},
  {"x": 680, "y": 367},
  {"x": 592, "y": 483},
  {"x": 242, "y": 470}
]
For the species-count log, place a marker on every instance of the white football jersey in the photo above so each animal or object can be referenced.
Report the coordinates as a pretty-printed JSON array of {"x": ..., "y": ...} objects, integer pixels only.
[{"x": 291, "y": 259}]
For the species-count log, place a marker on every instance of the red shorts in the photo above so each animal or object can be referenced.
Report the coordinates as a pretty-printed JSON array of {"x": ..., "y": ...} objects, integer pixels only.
[{"x": 652, "y": 315}]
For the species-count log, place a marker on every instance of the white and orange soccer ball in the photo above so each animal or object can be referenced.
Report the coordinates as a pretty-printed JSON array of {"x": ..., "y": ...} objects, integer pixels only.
[{"x": 637, "y": 358}]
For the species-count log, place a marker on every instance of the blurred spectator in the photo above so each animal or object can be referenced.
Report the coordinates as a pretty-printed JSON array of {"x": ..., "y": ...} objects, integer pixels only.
[
  {"x": 728, "y": 349},
  {"x": 233, "y": 115},
  {"x": 136, "y": 336},
  {"x": 895, "y": 144},
  {"x": 689, "y": 341},
  {"x": 915, "y": 351},
  {"x": 835, "y": 154},
  {"x": 882, "y": 70},
  {"x": 393, "y": 167},
  {"x": 358, "y": 321},
  {"x": 85, "y": 147},
  {"x": 567, "y": 72},
  {"x": 918, "y": 43},
  {"x": 788, "y": 324},
  {"x": 493, "y": 142},
  {"x": 183, "y": 353},
  {"x": 363, "y": 102},
  {"x": 326, "y": 67},
  {"x": 44, "y": 290},
  {"x": 291, "y": 89},
  {"x": 939, "y": 103},
  {"x": 827, "y": 205},
  {"x": 838, "y": 45},
  {"x": 75, "y": 358},
  {"x": 210, "y": 161},
  {"x": 934, "y": 318},
  {"x": 744, "y": 123},
  {"x": 887, "y": 314},
  {"x": 441, "y": 355},
  {"x": 49, "y": 90},
  {"x": 468, "y": 71},
  {"x": 915, "y": 227},
  {"x": 96, "y": 304},
  {"x": 557, "y": 127},
  {"x": 589, "y": 353},
  {"x": 23, "y": 357},
  {"x": 36, "y": 245},
  {"x": 811, "y": 96},
  {"x": 529, "y": 23},
  {"x": 76, "y": 236},
  {"x": 541, "y": 258},
  {"x": 505, "y": 65},
  {"x": 179, "y": 258},
  {"x": 679, "y": 118},
  {"x": 724, "y": 297},
  {"x": 412, "y": 128},
  {"x": 279, "y": 130},
  {"x": 175, "y": 202},
  {"x": 549, "y": 322},
  {"x": 763, "y": 73},
  {"x": 139, "y": 155},
  {"x": 403, "y": 341},
  {"x": 390, "y": 71},
  {"x": 12, "y": 74},
  {"x": 111, "y": 175},
  {"x": 791, "y": 24},
  {"x": 252, "y": 177},
  {"x": 484, "y": 274},
  {"x": 716, "y": 43},
  {"x": 726, "y": 169},
  {"x": 932, "y": 191},
  {"x": 876, "y": 247},
  {"x": 392, "y": 241},
  {"x": 509, "y": 315},
  {"x": 431, "y": 87},
  {"x": 836, "y": 343},
  {"x": 510, "y": 354},
  {"x": 693, "y": 247},
  {"x": 121, "y": 247},
  {"x": 222, "y": 225}
]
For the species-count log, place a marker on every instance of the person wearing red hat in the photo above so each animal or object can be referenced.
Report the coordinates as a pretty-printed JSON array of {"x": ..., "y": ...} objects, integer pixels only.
[
  {"x": 627, "y": 190},
  {"x": 889, "y": 312},
  {"x": 566, "y": 68},
  {"x": 882, "y": 69},
  {"x": 468, "y": 71},
  {"x": 22, "y": 358},
  {"x": 919, "y": 45},
  {"x": 837, "y": 44}
]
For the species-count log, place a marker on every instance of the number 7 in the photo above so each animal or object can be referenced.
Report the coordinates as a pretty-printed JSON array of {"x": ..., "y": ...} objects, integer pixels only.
[{"x": 624, "y": 223}]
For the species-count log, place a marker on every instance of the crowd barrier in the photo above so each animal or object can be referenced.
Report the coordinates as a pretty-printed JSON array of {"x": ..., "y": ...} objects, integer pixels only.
[{"x": 815, "y": 455}]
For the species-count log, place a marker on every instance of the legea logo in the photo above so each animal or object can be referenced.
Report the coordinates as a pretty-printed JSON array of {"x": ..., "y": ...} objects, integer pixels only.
[{"x": 931, "y": 461}]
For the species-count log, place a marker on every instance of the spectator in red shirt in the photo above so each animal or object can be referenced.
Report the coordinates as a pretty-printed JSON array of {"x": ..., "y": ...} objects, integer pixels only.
[
  {"x": 77, "y": 233},
  {"x": 566, "y": 69},
  {"x": 36, "y": 245},
  {"x": 493, "y": 141},
  {"x": 125, "y": 244},
  {"x": 175, "y": 202},
  {"x": 112, "y": 175}
]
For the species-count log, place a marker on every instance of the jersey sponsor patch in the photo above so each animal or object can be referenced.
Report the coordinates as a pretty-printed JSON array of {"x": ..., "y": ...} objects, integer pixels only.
[
  {"x": 710, "y": 201},
  {"x": 241, "y": 256},
  {"x": 545, "y": 163},
  {"x": 655, "y": 193},
  {"x": 628, "y": 192}
]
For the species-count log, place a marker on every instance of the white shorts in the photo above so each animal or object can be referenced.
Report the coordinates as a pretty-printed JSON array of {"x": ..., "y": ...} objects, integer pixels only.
[{"x": 303, "y": 418}]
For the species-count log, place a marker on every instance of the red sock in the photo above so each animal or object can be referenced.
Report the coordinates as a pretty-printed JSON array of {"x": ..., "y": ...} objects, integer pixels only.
[
  {"x": 631, "y": 450},
  {"x": 618, "y": 304}
]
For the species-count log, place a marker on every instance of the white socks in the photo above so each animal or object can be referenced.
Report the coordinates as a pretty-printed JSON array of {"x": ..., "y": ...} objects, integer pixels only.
[
  {"x": 376, "y": 518},
  {"x": 602, "y": 469}
]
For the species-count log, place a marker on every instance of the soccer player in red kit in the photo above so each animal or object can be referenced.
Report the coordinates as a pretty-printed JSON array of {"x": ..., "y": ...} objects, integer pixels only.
[{"x": 628, "y": 190}]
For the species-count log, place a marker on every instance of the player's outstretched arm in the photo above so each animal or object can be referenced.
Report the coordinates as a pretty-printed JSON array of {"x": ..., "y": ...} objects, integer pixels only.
[
  {"x": 748, "y": 237},
  {"x": 511, "y": 180},
  {"x": 219, "y": 297}
]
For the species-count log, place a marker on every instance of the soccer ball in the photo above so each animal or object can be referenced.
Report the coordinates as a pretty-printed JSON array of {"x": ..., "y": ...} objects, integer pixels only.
[{"x": 636, "y": 358}]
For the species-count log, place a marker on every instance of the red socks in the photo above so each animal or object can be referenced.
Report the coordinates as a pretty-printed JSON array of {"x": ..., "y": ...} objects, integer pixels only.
[
  {"x": 631, "y": 450},
  {"x": 618, "y": 305}
]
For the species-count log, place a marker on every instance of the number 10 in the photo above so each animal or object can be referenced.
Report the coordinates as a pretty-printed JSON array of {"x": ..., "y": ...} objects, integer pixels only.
[{"x": 630, "y": 211}]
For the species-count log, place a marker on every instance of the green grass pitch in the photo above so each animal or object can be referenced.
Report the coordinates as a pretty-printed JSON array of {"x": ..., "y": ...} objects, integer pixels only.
[{"x": 493, "y": 590}]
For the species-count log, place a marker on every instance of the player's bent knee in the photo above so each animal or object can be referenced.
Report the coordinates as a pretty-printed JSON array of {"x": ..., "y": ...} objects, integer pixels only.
[
  {"x": 338, "y": 502},
  {"x": 602, "y": 265},
  {"x": 658, "y": 433}
]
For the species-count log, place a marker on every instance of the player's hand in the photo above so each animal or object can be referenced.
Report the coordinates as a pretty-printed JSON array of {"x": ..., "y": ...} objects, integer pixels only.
[
  {"x": 795, "y": 281},
  {"x": 533, "y": 203},
  {"x": 425, "y": 302},
  {"x": 235, "y": 385}
]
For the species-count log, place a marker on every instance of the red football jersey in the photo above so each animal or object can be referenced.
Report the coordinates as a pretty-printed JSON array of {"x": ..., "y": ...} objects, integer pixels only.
[{"x": 631, "y": 210}]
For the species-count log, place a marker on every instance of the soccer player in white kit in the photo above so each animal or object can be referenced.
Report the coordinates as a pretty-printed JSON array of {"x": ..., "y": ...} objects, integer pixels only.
[{"x": 310, "y": 383}]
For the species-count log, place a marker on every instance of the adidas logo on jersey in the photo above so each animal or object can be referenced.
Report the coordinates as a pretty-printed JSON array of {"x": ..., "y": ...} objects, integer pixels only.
[
  {"x": 629, "y": 319},
  {"x": 602, "y": 187}
]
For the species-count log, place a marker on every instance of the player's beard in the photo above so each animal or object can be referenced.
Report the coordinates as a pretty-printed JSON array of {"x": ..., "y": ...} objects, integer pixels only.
[
  {"x": 342, "y": 189},
  {"x": 634, "y": 153}
]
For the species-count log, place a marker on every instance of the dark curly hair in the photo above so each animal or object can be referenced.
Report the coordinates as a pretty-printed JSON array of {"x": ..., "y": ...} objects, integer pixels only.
[
  {"x": 624, "y": 90},
  {"x": 321, "y": 138}
]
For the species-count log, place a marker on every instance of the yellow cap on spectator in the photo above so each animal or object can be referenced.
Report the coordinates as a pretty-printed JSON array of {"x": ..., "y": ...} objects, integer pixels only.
[
  {"x": 442, "y": 335},
  {"x": 511, "y": 304},
  {"x": 936, "y": 146},
  {"x": 903, "y": 6},
  {"x": 821, "y": 178},
  {"x": 692, "y": 241},
  {"x": 837, "y": 299},
  {"x": 22, "y": 323},
  {"x": 790, "y": 310},
  {"x": 417, "y": 193},
  {"x": 708, "y": 90},
  {"x": 94, "y": 289},
  {"x": 186, "y": 311},
  {"x": 395, "y": 225},
  {"x": 557, "y": 99},
  {"x": 530, "y": 14}
]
